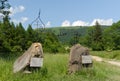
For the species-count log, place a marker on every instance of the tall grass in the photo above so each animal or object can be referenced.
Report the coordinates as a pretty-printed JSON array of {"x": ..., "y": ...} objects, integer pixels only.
[{"x": 55, "y": 69}]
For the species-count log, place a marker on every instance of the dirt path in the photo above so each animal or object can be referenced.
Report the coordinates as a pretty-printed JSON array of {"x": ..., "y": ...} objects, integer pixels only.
[{"x": 99, "y": 59}]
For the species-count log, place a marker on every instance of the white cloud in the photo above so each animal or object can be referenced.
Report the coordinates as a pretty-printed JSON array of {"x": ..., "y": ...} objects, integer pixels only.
[
  {"x": 75, "y": 23},
  {"x": 22, "y": 20},
  {"x": 80, "y": 23},
  {"x": 17, "y": 9},
  {"x": 83, "y": 23},
  {"x": 48, "y": 24},
  {"x": 102, "y": 22},
  {"x": 66, "y": 23}
]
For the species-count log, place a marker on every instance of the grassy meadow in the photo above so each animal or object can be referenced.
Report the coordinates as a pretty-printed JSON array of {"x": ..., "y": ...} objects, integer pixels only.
[
  {"x": 107, "y": 54},
  {"x": 55, "y": 69}
]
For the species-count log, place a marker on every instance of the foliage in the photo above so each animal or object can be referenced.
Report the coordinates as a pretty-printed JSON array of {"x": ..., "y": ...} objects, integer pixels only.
[
  {"x": 66, "y": 35},
  {"x": 99, "y": 38},
  {"x": 93, "y": 38},
  {"x": 7, "y": 34},
  {"x": 52, "y": 45},
  {"x": 16, "y": 38},
  {"x": 112, "y": 37}
]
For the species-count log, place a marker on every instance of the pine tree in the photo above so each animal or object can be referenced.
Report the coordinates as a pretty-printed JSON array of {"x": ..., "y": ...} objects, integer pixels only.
[
  {"x": 30, "y": 36},
  {"x": 20, "y": 36},
  {"x": 97, "y": 37},
  {"x": 97, "y": 33},
  {"x": 7, "y": 32}
]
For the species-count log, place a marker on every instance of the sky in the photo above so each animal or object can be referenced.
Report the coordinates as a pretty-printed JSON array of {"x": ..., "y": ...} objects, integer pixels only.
[{"x": 56, "y": 13}]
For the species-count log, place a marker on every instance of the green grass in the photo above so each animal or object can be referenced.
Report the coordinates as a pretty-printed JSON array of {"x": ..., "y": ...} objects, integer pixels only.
[
  {"x": 106, "y": 54},
  {"x": 55, "y": 69}
]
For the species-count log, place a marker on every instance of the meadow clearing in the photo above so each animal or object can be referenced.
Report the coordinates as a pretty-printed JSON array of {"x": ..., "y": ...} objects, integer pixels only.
[{"x": 55, "y": 69}]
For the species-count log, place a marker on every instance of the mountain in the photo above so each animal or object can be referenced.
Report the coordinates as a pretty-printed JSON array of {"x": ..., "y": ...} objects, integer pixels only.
[{"x": 65, "y": 34}]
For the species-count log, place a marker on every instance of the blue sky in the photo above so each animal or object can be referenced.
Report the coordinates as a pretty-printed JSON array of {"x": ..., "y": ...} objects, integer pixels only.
[{"x": 56, "y": 13}]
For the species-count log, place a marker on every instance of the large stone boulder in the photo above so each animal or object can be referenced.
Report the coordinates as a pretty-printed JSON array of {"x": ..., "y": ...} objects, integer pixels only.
[
  {"x": 35, "y": 50},
  {"x": 75, "y": 57}
]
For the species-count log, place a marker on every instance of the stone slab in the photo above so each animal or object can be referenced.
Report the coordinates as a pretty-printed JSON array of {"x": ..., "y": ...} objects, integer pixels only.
[
  {"x": 36, "y": 62},
  {"x": 86, "y": 59}
]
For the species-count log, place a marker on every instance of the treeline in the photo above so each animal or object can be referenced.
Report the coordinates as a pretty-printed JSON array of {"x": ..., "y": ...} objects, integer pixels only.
[
  {"x": 95, "y": 37},
  {"x": 14, "y": 38},
  {"x": 99, "y": 39}
]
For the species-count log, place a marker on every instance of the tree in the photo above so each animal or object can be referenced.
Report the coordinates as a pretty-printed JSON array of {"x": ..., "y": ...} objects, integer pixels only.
[
  {"x": 97, "y": 37},
  {"x": 30, "y": 33},
  {"x": 4, "y": 8},
  {"x": 93, "y": 38},
  {"x": 20, "y": 37},
  {"x": 112, "y": 37},
  {"x": 5, "y": 27},
  {"x": 7, "y": 35},
  {"x": 30, "y": 36},
  {"x": 97, "y": 33}
]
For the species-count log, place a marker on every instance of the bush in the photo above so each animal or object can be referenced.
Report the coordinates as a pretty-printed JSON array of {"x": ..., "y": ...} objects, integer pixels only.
[
  {"x": 17, "y": 48},
  {"x": 97, "y": 46}
]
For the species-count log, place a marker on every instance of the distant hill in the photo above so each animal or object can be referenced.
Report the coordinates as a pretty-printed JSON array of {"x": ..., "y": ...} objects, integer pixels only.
[{"x": 66, "y": 33}]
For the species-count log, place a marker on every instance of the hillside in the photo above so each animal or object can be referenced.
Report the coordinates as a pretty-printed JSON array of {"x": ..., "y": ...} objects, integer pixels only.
[{"x": 65, "y": 34}]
